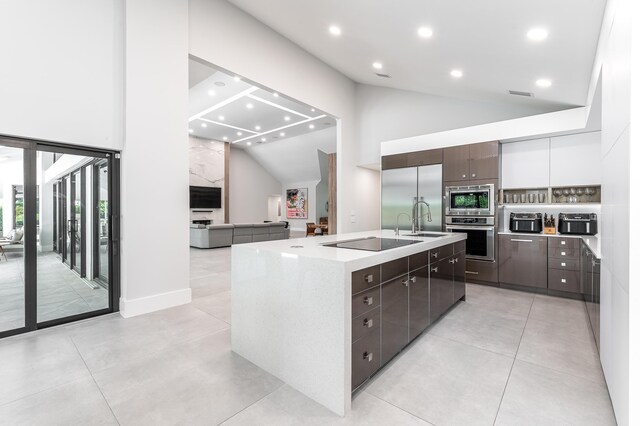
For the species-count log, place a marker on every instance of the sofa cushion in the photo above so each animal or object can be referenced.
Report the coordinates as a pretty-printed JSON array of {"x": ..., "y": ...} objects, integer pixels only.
[
  {"x": 260, "y": 229},
  {"x": 276, "y": 228},
  {"x": 220, "y": 226},
  {"x": 241, "y": 229}
]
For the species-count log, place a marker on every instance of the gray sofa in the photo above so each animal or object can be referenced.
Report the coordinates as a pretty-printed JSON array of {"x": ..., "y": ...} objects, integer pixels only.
[{"x": 212, "y": 236}]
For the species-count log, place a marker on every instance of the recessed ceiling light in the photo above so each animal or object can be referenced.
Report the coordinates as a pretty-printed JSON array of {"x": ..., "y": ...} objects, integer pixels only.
[
  {"x": 224, "y": 138},
  {"x": 221, "y": 117},
  {"x": 543, "y": 82},
  {"x": 275, "y": 94},
  {"x": 456, "y": 73},
  {"x": 258, "y": 127},
  {"x": 537, "y": 34},
  {"x": 425, "y": 32},
  {"x": 311, "y": 126},
  {"x": 248, "y": 143},
  {"x": 239, "y": 133},
  {"x": 220, "y": 83},
  {"x": 335, "y": 30},
  {"x": 287, "y": 118},
  {"x": 211, "y": 92},
  {"x": 190, "y": 130},
  {"x": 377, "y": 65},
  {"x": 263, "y": 139},
  {"x": 282, "y": 133},
  {"x": 236, "y": 78},
  {"x": 204, "y": 125},
  {"x": 250, "y": 106},
  {"x": 313, "y": 110}
]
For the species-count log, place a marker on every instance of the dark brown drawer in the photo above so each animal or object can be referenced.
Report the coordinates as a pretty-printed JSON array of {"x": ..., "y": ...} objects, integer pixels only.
[
  {"x": 564, "y": 264},
  {"x": 394, "y": 269},
  {"x": 366, "y": 323},
  {"x": 365, "y": 301},
  {"x": 564, "y": 280},
  {"x": 480, "y": 270},
  {"x": 563, "y": 253},
  {"x": 439, "y": 253},
  {"x": 460, "y": 246},
  {"x": 365, "y": 278},
  {"x": 365, "y": 358},
  {"x": 418, "y": 260},
  {"x": 564, "y": 242}
]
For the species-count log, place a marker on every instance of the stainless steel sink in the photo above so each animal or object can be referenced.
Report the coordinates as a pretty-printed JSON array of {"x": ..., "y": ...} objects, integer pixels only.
[{"x": 426, "y": 234}]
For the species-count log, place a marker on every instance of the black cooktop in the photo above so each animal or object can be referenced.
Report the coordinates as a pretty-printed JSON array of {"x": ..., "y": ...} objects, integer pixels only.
[{"x": 373, "y": 244}]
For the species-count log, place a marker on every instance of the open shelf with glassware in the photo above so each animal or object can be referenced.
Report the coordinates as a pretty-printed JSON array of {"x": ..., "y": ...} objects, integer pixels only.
[{"x": 568, "y": 195}]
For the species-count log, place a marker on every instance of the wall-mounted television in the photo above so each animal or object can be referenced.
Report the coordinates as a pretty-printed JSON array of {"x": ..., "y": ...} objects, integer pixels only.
[{"x": 205, "y": 197}]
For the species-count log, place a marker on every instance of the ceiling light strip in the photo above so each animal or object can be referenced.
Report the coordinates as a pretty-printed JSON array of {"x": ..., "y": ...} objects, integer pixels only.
[
  {"x": 223, "y": 103},
  {"x": 281, "y": 128},
  {"x": 227, "y": 125},
  {"x": 273, "y": 104}
]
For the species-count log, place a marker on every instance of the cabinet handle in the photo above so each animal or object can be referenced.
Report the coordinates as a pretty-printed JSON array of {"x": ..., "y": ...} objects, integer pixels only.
[
  {"x": 563, "y": 264},
  {"x": 452, "y": 261},
  {"x": 464, "y": 176},
  {"x": 435, "y": 269},
  {"x": 521, "y": 240},
  {"x": 368, "y": 356},
  {"x": 405, "y": 283},
  {"x": 456, "y": 260},
  {"x": 472, "y": 272},
  {"x": 563, "y": 243},
  {"x": 368, "y": 278},
  {"x": 563, "y": 280},
  {"x": 473, "y": 175},
  {"x": 593, "y": 263},
  {"x": 413, "y": 279},
  {"x": 563, "y": 253},
  {"x": 368, "y": 323},
  {"x": 434, "y": 254},
  {"x": 368, "y": 300}
]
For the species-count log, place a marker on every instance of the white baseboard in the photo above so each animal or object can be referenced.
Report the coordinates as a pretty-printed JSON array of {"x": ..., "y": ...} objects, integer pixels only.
[{"x": 144, "y": 305}]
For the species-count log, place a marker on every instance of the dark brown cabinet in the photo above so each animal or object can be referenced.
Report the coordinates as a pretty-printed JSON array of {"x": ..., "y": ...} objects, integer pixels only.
[
  {"x": 395, "y": 319},
  {"x": 523, "y": 260},
  {"x": 564, "y": 264},
  {"x": 412, "y": 159},
  {"x": 441, "y": 280},
  {"x": 394, "y": 302},
  {"x": 418, "y": 301},
  {"x": 471, "y": 162},
  {"x": 590, "y": 287}
]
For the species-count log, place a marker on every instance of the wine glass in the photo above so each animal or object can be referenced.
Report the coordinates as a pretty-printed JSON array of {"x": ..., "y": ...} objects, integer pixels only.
[
  {"x": 589, "y": 192},
  {"x": 566, "y": 194},
  {"x": 557, "y": 193}
]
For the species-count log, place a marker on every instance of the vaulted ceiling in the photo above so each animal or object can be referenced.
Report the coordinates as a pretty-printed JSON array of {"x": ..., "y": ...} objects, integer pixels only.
[{"x": 419, "y": 43}]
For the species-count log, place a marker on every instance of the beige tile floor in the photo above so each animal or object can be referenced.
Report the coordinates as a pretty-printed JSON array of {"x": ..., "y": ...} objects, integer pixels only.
[{"x": 502, "y": 357}]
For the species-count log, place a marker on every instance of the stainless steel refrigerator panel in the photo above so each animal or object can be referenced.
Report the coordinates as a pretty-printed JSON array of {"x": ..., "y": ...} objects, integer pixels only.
[
  {"x": 430, "y": 191},
  {"x": 399, "y": 191}
]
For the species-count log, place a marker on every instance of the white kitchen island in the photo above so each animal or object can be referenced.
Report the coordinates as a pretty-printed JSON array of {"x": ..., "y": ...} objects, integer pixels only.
[{"x": 292, "y": 304}]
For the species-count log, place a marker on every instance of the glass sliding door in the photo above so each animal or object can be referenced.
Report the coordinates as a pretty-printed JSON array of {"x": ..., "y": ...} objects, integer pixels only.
[
  {"x": 101, "y": 221},
  {"x": 12, "y": 284},
  {"x": 58, "y": 242}
]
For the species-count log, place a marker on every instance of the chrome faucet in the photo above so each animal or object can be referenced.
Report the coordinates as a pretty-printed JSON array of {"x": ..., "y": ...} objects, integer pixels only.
[
  {"x": 415, "y": 219},
  {"x": 398, "y": 221}
]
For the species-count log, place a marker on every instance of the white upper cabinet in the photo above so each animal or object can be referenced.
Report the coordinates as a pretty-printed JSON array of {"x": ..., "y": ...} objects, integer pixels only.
[
  {"x": 576, "y": 159},
  {"x": 525, "y": 164}
]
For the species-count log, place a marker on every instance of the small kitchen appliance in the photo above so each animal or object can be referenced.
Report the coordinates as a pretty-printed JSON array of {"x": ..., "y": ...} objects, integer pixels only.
[
  {"x": 578, "y": 223},
  {"x": 525, "y": 222}
]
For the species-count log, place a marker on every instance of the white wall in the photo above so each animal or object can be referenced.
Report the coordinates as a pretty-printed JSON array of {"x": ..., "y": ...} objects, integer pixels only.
[
  {"x": 225, "y": 36},
  {"x": 155, "y": 161},
  {"x": 250, "y": 187},
  {"x": 619, "y": 298},
  {"x": 61, "y": 78},
  {"x": 206, "y": 168},
  {"x": 385, "y": 114}
]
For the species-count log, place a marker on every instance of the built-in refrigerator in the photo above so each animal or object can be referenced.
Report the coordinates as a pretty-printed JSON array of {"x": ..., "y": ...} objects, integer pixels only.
[{"x": 402, "y": 188}]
